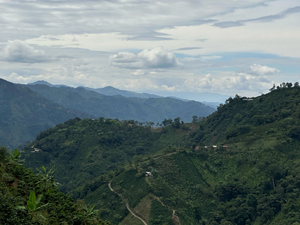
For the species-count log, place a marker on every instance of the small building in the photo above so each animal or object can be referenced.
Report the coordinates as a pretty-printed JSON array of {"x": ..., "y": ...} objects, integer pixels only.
[
  {"x": 196, "y": 148},
  {"x": 148, "y": 174}
]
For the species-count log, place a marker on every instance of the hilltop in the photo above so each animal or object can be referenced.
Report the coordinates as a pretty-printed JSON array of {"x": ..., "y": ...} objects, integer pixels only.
[{"x": 84, "y": 149}]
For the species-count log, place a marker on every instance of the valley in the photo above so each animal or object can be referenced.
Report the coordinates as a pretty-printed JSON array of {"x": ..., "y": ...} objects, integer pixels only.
[{"x": 239, "y": 165}]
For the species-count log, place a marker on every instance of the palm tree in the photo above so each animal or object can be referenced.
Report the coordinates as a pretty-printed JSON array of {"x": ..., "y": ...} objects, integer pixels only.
[
  {"x": 34, "y": 208},
  {"x": 87, "y": 215},
  {"x": 15, "y": 158},
  {"x": 47, "y": 178}
]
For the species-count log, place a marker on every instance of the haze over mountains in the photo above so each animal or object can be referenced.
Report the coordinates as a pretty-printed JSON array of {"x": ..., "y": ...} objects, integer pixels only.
[
  {"x": 29, "y": 109},
  {"x": 210, "y": 99},
  {"x": 124, "y": 107},
  {"x": 24, "y": 113}
]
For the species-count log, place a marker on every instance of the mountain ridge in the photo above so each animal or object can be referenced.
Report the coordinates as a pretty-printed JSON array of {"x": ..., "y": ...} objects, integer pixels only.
[
  {"x": 123, "y": 108},
  {"x": 216, "y": 99},
  {"x": 24, "y": 113}
]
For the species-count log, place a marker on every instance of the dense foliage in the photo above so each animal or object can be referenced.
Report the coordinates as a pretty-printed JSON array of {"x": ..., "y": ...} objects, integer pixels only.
[
  {"x": 236, "y": 186},
  {"x": 81, "y": 150},
  {"x": 278, "y": 111},
  {"x": 26, "y": 198},
  {"x": 240, "y": 165},
  {"x": 253, "y": 179}
]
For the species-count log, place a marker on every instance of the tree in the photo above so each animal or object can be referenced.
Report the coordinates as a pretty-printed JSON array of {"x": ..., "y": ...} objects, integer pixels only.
[
  {"x": 274, "y": 172},
  {"x": 177, "y": 122},
  {"x": 88, "y": 215},
  {"x": 167, "y": 122},
  {"x": 195, "y": 119},
  {"x": 3, "y": 153},
  {"x": 15, "y": 157},
  {"x": 150, "y": 124},
  {"x": 294, "y": 132},
  {"x": 229, "y": 100},
  {"x": 47, "y": 178},
  {"x": 34, "y": 207}
]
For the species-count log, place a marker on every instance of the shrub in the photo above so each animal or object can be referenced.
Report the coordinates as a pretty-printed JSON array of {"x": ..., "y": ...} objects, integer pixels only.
[{"x": 8, "y": 178}]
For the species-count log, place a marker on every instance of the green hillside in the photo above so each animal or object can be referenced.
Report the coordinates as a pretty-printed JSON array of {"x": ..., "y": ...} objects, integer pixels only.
[
  {"x": 26, "y": 198},
  {"x": 84, "y": 149},
  {"x": 239, "y": 165},
  {"x": 236, "y": 186},
  {"x": 276, "y": 113},
  {"x": 24, "y": 113}
]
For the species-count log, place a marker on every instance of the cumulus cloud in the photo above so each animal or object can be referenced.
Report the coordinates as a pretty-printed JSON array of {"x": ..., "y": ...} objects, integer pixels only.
[
  {"x": 24, "y": 79},
  {"x": 20, "y": 51},
  {"x": 263, "y": 70},
  {"x": 259, "y": 70},
  {"x": 237, "y": 82},
  {"x": 137, "y": 73},
  {"x": 167, "y": 88},
  {"x": 153, "y": 58}
]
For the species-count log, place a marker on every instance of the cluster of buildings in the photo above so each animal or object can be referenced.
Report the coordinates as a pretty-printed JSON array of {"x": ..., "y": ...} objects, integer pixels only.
[{"x": 213, "y": 146}]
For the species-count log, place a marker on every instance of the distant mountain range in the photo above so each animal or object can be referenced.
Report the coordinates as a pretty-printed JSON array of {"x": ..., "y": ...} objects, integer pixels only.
[
  {"x": 26, "y": 110},
  {"x": 24, "y": 113},
  {"x": 124, "y": 108},
  {"x": 110, "y": 91},
  {"x": 209, "y": 99}
]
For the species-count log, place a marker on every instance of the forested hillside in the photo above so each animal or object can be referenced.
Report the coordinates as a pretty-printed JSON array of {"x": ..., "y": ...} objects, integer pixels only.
[
  {"x": 26, "y": 198},
  {"x": 274, "y": 114},
  {"x": 239, "y": 165},
  {"x": 24, "y": 113},
  {"x": 84, "y": 149},
  {"x": 248, "y": 175}
]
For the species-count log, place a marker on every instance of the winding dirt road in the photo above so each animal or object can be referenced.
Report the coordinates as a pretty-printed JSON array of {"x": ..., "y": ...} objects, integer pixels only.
[{"x": 127, "y": 205}]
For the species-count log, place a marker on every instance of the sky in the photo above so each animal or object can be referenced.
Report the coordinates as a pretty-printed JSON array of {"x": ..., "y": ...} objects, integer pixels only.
[{"x": 170, "y": 47}]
